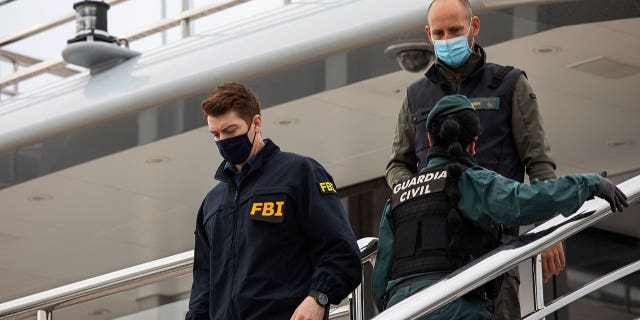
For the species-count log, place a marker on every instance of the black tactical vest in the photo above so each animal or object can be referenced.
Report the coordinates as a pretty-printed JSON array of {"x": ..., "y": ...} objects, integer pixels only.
[
  {"x": 430, "y": 234},
  {"x": 490, "y": 90}
]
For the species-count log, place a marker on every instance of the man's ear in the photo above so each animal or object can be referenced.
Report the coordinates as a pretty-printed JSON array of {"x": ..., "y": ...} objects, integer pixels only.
[
  {"x": 430, "y": 139},
  {"x": 428, "y": 31},
  {"x": 475, "y": 25},
  {"x": 257, "y": 120}
]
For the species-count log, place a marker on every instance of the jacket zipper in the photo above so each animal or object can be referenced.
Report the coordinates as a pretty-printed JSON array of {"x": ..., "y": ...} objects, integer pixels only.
[
  {"x": 233, "y": 252},
  {"x": 458, "y": 83},
  {"x": 233, "y": 245}
]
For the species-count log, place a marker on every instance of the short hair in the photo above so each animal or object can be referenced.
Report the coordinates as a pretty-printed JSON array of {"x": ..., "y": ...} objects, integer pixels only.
[
  {"x": 465, "y": 3},
  {"x": 231, "y": 96}
]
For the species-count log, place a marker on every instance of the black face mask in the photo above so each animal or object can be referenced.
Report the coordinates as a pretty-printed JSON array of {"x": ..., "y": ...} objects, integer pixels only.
[{"x": 236, "y": 150}]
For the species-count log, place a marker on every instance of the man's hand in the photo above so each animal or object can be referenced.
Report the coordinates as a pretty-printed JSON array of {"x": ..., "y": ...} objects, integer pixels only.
[
  {"x": 309, "y": 309},
  {"x": 552, "y": 261}
]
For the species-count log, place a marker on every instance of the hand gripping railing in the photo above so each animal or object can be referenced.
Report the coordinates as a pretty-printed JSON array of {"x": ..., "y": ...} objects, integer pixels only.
[
  {"x": 506, "y": 257},
  {"x": 44, "y": 303}
]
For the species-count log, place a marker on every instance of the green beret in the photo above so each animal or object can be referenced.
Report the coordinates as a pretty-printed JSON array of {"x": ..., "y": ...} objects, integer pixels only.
[{"x": 448, "y": 105}]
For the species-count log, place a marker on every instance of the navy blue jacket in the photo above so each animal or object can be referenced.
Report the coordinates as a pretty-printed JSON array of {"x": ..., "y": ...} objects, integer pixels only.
[{"x": 262, "y": 246}]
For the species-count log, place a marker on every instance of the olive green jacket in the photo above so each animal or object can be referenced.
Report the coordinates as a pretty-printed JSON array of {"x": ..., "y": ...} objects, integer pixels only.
[{"x": 526, "y": 123}]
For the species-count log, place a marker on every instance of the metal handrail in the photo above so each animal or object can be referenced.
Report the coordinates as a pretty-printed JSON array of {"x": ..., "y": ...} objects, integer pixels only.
[
  {"x": 584, "y": 290},
  {"x": 502, "y": 259},
  {"x": 32, "y": 71},
  {"x": 58, "y": 63},
  {"x": 3, "y": 2},
  {"x": 27, "y": 60},
  {"x": 100, "y": 286},
  {"x": 175, "y": 21},
  {"x": 119, "y": 281}
]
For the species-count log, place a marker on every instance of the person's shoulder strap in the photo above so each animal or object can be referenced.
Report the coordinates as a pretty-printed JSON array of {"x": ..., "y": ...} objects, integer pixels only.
[{"x": 497, "y": 78}]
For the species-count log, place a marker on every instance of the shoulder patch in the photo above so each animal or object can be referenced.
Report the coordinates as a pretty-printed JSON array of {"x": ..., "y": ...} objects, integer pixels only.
[
  {"x": 327, "y": 187},
  {"x": 486, "y": 103}
]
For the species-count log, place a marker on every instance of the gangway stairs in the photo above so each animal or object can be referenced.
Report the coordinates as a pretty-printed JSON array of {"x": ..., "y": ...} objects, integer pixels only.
[{"x": 359, "y": 305}]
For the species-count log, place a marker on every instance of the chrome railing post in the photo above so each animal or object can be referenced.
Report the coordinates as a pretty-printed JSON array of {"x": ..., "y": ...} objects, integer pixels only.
[
  {"x": 592, "y": 286},
  {"x": 163, "y": 15},
  {"x": 358, "y": 303},
  {"x": 185, "y": 24},
  {"x": 16, "y": 66},
  {"x": 44, "y": 315},
  {"x": 368, "y": 250},
  {"x": 538, "y": 293}
]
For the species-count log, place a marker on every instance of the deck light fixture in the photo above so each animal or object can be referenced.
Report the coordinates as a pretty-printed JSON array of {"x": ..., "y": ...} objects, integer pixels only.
[
  {"x": 91, "y": 22},
  {"x": 93, "y": 47}
]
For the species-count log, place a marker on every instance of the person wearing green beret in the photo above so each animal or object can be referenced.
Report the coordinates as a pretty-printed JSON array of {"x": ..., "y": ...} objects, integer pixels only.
[
  {"x": 512, "y": 135},
  {"x": 451, "y": 211}
]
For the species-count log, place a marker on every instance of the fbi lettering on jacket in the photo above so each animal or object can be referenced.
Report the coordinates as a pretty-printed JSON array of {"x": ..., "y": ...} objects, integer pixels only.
[
  {"x": 419, "y": 185},
  {"x": 327, "y": 187},
  {"x": 268, "y": 208}
]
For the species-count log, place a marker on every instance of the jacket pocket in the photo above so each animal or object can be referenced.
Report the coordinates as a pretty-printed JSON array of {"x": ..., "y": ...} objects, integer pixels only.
[{"x": 268, "y": 204}]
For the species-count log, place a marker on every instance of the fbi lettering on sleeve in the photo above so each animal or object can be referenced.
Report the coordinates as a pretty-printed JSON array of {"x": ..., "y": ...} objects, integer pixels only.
[
  {"x": 268, "y": 207},
  {"x": 327, "y": 187}
]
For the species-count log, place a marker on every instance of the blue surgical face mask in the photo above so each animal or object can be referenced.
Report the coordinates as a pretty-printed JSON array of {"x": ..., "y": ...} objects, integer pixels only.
[
  {"x": 453, "y": 52},
  {"x": 236, "y": 150}
]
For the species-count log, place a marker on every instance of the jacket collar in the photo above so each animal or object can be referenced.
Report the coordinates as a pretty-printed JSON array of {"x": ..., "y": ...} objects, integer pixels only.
[
  {"x": 257, "y": 162},
  {"x": 441, "y": 73}
]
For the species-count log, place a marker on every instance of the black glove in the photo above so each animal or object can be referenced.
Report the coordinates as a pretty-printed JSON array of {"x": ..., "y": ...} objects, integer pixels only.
[{"x": 609, "y": 192}]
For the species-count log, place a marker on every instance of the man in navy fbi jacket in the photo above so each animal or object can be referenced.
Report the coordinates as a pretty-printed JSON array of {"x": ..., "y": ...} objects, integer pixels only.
[{"x": 272, "y": 239}]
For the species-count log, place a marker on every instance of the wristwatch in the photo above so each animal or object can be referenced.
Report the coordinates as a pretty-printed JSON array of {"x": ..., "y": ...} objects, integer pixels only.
[{"x": 320, "y": 297}]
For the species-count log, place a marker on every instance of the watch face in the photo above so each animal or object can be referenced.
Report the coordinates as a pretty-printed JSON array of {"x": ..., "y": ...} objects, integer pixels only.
[{"x": 323, "y": 299}]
